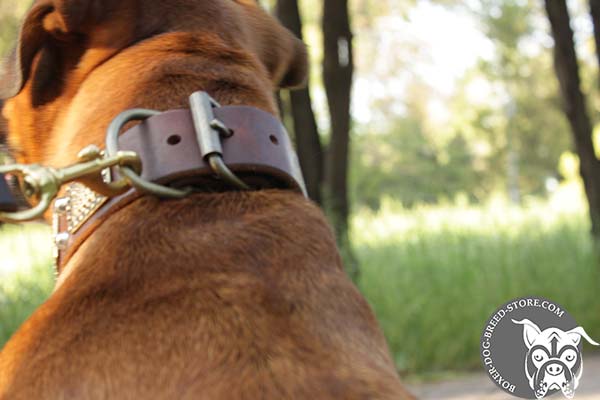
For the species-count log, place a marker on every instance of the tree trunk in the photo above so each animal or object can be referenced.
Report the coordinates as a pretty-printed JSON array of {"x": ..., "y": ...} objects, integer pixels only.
[
  {"x": 595, "y": 12},
  {"x": 338, "y": 70},
  {"x": 567, "y": 72},
  {"x": 308, "y": 143}
]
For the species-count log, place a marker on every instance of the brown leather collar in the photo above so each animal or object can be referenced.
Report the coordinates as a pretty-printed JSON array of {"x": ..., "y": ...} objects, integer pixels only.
[{"x": 258, "y": 151}]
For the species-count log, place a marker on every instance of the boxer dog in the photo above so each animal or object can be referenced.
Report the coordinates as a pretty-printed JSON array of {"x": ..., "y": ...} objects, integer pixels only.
[
  {"x": 229, "y": 295},
  {"x": 553, "y": 361}
]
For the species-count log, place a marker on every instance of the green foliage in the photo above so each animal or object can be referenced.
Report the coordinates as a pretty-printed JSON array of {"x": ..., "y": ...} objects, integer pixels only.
[
  {"x": 8, "y": 29},
  {"x": 505, "y": 131},
  {"x": 507, "y": 22},
  {"x": 531, "y": 125},
  {"x": 10, "y": 15},
  {"x": 26, "y": 277},
  {"x": 406, "y": 164}
]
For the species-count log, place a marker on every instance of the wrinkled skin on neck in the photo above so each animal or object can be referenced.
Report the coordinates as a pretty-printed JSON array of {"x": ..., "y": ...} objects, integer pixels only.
[{"x": 79, "y": 63}]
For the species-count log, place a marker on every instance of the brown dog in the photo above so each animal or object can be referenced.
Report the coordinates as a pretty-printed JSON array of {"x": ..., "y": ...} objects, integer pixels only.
[{"x": 236, "y": 295}]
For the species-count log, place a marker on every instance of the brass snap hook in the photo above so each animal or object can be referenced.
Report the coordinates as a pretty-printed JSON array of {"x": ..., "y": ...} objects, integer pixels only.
[{"x": 41, "y": 184}]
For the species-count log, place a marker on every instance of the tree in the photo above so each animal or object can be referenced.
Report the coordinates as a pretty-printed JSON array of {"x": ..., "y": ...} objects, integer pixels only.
[
  {"x": 532, "y": 126},
  {"x": 308, "y": 143},
  {"x": 595, "y": 12},
  {"x": 338, "y": 70},
  {"x": 3, "y": 130},
  {"x": 574, "y": 104}
]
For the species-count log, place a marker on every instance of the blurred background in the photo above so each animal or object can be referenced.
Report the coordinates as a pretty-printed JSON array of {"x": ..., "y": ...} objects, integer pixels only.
[{"x": 447, "y": 141}]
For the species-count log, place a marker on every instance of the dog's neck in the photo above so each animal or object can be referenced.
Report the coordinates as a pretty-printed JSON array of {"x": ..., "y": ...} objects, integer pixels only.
[
  {"x": 168, "y": 68},
  {"x": 205, "y": 149}
]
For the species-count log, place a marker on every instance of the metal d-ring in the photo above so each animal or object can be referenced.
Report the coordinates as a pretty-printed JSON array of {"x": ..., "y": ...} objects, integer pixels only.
[{"x": 112, "y": 147}]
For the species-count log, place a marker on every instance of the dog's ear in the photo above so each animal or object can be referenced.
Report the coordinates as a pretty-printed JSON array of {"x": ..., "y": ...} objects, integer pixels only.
[
  {"x": 297, "y": 68},
  {"x": 15, "y": 69},
  {"x": 280, "y": 51},
  {"x": 530, "y": 331},
  {"x": 55, "y": 24},
  {"x": 577, "y": 333}
]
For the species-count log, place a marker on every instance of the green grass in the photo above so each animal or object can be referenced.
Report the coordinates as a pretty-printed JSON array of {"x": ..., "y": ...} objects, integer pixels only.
[
  {"x": 26, "y": 275},
  {"x": 433, "y": 274}
]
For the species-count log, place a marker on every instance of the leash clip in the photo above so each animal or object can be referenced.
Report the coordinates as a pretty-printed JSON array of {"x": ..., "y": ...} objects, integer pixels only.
[{"x": 40, "y": 184}]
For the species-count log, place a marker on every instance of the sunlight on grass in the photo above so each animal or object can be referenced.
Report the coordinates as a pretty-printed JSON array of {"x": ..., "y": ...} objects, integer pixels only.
[
  {"x": 434, "y": 274},
  {"x": 394, "y": 222},
  {"x": 26, "y": 275},
  {"x": 22, "y": 247}
]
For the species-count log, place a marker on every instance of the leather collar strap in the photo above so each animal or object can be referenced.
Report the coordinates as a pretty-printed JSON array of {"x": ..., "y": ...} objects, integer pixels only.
[{"x": 259, "y": 152}]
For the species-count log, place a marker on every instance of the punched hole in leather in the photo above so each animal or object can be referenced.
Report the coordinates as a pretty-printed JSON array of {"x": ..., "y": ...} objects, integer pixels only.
[{"x": 259, "y": 151}]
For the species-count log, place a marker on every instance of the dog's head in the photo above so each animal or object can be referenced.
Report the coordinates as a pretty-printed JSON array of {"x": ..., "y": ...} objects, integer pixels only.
[
  {"x": 553, "y": 360},
  {"x": 78, "y": 63}
]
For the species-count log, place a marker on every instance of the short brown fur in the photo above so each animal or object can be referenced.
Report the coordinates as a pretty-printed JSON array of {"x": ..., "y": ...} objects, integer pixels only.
[{"x": 217, "y": 296}]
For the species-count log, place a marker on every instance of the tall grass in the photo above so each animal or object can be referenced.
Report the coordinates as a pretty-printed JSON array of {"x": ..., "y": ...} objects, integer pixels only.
[
  {"x": 26, "y": 275},
  {"x": 434, "y": 275}
]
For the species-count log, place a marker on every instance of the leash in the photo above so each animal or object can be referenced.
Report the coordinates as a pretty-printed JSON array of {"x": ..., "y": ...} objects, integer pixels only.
[{"x": 169, "y": 154}]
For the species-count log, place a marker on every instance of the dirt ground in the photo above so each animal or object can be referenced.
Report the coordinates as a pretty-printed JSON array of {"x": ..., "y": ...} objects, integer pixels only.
[{"x": 480, "y": 387}]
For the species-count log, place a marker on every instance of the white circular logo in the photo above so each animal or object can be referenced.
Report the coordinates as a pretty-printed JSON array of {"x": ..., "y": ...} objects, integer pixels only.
[{"x": 531, "y": 348}]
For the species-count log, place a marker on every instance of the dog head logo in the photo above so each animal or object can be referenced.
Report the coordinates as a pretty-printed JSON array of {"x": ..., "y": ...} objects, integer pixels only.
[{"x": 553, "y": 361}]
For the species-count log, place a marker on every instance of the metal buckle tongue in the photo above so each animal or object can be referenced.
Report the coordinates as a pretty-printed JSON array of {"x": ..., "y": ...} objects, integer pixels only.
[{"x": 209, "y": 132}]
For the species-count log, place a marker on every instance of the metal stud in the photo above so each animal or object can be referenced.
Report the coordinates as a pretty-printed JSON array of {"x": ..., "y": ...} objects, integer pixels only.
[
  {"x": 61, "y": 205},
  {"x": 62, "y": 240}
]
